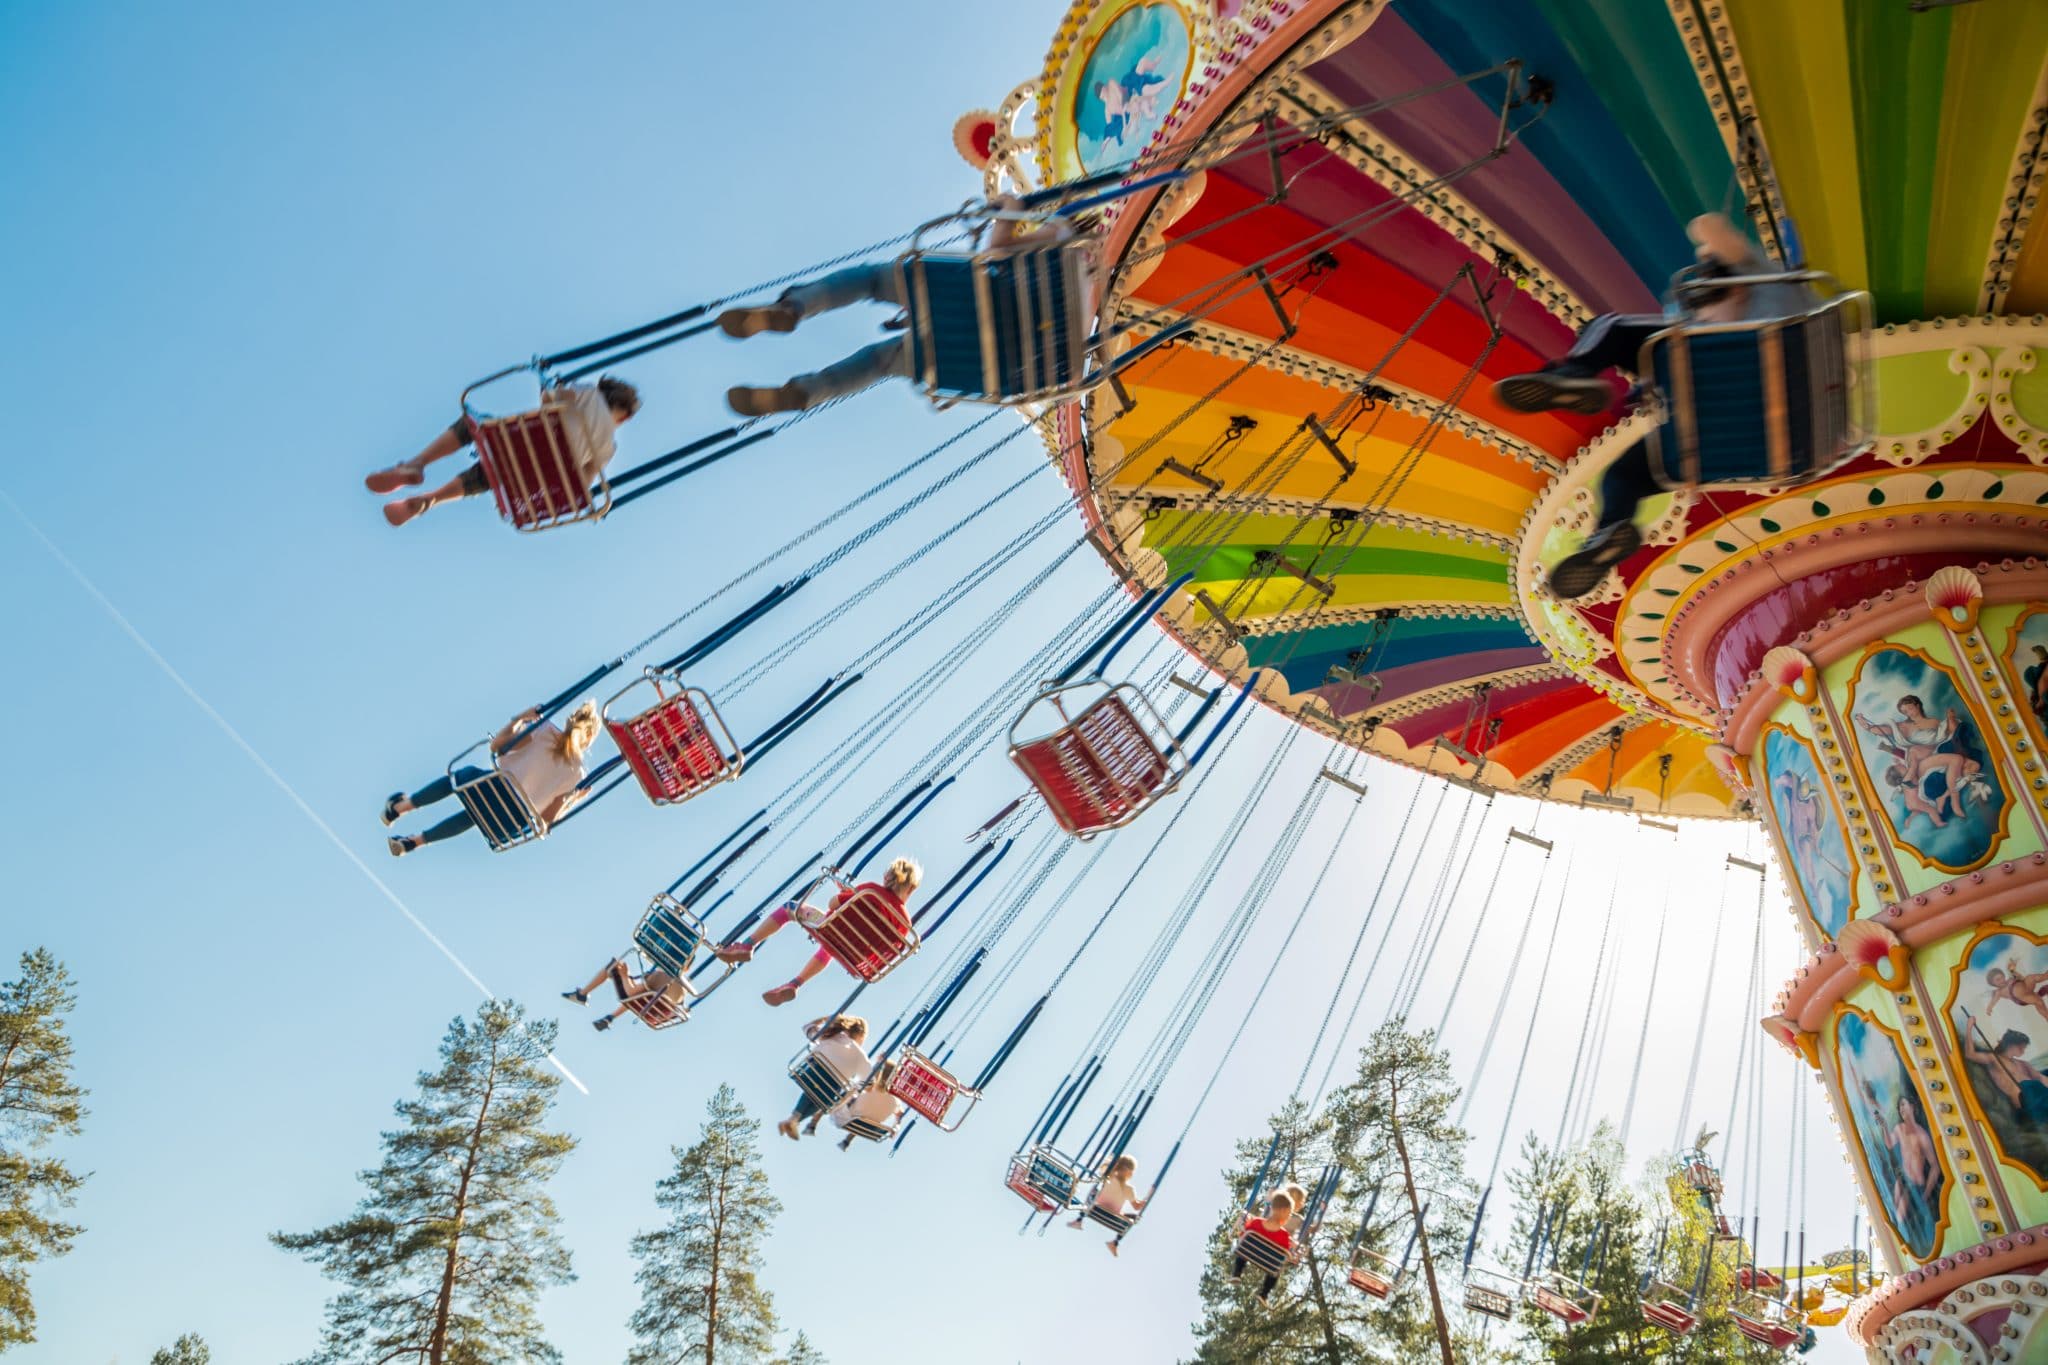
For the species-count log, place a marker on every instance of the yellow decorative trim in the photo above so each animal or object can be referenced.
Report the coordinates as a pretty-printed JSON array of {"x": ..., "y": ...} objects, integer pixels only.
[
  {"x": 2022, "y": 193},
  {"x": 1734, "y": 109}
]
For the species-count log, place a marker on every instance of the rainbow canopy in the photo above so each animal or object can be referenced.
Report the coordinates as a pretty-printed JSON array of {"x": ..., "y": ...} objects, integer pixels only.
[{"x": 1895, "y": 147}]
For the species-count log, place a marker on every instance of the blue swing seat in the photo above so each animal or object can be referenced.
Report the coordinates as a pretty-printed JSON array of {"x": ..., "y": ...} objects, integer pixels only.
[
  {"x": 668, "y": 936},
  {"x": 501, "y": 811},
  {"x": 816, "y": 1078},
  {"x": 1777, "y": 401},
  {"x": 1011, "y": 325}
]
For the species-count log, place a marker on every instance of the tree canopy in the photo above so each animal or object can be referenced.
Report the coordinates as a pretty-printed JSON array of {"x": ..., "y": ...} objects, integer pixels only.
[
  {"x": 39, "y": 1103},
  {"x": 446, "y": 1255}
]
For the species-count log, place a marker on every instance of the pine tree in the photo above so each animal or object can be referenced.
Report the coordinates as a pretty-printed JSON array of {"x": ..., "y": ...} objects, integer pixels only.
[
  {"x": 700, "y": 1296},
  {"x": 1403, "y": 1087},
  {"x": 189, "y": 1349},
  {"x": 446, "y": 1255},
  {"x": 39, "y": 1102},
  {"x": 801, "y": 1352}
]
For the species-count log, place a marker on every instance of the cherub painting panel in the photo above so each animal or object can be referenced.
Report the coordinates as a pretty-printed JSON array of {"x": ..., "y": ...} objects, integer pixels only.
[
  {"x": 1907, "y": 1168},
  {"x": 1926, "y": 757},
  {"x": 1999, "y": 1016}
]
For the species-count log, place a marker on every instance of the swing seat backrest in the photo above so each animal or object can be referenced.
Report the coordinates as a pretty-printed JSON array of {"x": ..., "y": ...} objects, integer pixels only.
[
  {"x": 869, "y": 932},
  {"x": 928, "y": 1088},
  {"x": 676, "y": 744},
  {"x": 817, "y": 1079},
  {"x": 532, "y": 470},
  {"x": 1777, "y": 401},
  {"x": 1105, "y": 765},
  {"x": 1263, "y": 1252},
  {"x": 668, "y": 936},
  {"x": 501, "y": 811},
  {"x": 1005, "y": 326}
]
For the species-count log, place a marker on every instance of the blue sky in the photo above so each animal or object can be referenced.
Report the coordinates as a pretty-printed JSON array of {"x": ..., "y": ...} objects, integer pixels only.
[{"x": 251, "y": 251}]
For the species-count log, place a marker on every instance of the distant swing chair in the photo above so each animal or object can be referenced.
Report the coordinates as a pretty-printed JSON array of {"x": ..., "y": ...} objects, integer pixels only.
[
  {"x": 1096, "y": 751},
  {"x": 1774, "y": 401},
  {"x": 1491, "y": 1293},
  {"x": 1043, "y": 1177},
  {"x": 1768, "y": 1321},
  {"x": 1571, "y": 1301}
]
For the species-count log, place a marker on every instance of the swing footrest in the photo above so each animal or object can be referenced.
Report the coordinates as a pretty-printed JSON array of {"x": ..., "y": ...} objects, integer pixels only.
[
  {"x": 1118, "y": 1223},
  {"x": 873, "y": 1132},
  {"x": 1106, "y": 765},
  {"x": 656, "y": 1012},
  {"x": 676, "y": 744},
  {"x": 528, "y": 461}
]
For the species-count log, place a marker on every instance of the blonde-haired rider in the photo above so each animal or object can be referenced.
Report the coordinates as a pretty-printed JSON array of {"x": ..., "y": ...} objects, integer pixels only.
[
  {"x": 544, "y": 760},
  {"x": 903, "y": 877}
]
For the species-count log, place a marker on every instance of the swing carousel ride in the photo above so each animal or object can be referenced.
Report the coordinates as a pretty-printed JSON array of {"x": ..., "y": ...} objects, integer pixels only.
[
  {"x": 1849, "y": 643},
  {"x": 1273, "y": 258}
]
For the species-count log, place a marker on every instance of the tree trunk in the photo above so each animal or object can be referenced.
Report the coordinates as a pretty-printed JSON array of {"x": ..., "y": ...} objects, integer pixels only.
[
  {"x": 717, "y": 1257},
  {"x": 1315, "y": 1284},
  {"x": 444, "y": 1302},
  {"x": 1436, "y": 1303}
]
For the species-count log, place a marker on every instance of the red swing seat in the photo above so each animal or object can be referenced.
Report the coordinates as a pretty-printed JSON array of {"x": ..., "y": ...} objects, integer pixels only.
[
  {"x": 1565, "y": 1299},
  {"x": 1373, "y": 1273},
  {"x": 1768, "y": 1321},
  {"x": 531, "y": 468},
  {"x": 929, "y": 1089},
  {"x": 1748, "y": 1278},
  {"x": 1103, "y": 765},
  {"x": 676, "y": 744},
  {"x": 866, "y": 929},
  {"x": 1665, "y": 1306}
]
